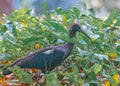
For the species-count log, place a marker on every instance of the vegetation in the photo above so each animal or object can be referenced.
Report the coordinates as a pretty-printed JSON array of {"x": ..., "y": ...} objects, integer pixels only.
[{"x": 90, "y": 63}]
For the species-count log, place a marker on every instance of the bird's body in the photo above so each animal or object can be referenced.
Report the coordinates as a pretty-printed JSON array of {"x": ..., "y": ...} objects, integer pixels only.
[
  {"x": 48, "y": 58},
  {"x": 45, "y": 59}
]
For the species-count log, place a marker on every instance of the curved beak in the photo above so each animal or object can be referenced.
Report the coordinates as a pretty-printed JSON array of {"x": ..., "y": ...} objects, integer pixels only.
[{"x": 85, "y": 34}]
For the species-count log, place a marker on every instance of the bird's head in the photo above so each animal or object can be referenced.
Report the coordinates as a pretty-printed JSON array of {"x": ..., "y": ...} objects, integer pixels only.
[{"x": 76, "y": 27}]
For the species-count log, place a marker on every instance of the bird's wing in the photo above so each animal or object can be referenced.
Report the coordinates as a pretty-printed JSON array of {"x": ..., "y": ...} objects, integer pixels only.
[
  {"x": 17, "y": 62},
  {"x": 44, "y": 59}
]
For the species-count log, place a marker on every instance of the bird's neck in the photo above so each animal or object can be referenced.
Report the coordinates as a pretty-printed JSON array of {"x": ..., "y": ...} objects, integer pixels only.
[
  {"x": 68, "y": 48},
  {"x": 69, "y": 45},
  {"x": 72, "y": 34}
]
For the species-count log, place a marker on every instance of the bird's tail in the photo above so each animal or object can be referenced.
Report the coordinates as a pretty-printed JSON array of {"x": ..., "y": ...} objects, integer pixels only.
[{"x": 6, "y": 71}]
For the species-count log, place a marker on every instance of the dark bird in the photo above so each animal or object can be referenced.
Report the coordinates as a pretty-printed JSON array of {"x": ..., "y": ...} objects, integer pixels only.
[{"x": 48, "y": 58}]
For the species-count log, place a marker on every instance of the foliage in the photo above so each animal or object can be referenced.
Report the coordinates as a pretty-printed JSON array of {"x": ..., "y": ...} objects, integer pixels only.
[
  {"x": 22, "y": 33},
  {"x": 23, "y": 76}
]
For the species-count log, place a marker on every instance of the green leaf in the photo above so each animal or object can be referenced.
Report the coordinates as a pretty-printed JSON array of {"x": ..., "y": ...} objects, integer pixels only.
[
  {"x": 115, "y": 70},
  {"x": 113, "y": 15},
  {"x": 118, "y": 22},
  {"x": 67, "y": 12},
  {"x": 14, "y": 31},
  {"x": 92, "y": 75},
  {"x": 10, "y": 38},
  {"x": 1, "y": 75},
  {"x": 109, "y": 49},
  {"x": 112, "y": 81},
  {"x": 75, "y": 69},
  {"x": 51, "y": 76},
  {"x": 97, "y": 22},
  {"x": 97, "y": 68},
  {"x": 27, "y": 40},
  {"x": 118, "y": 48},
  {"x": 47, "y": 14},
  {"x": 76, "y": 11},
  {"x": 9, "y": 26},
  {"x": 58, "y": 10},
  {"x": 92, "y": 12},
  {"x": 23, "y": 76},
  {"x": 57, "y": 26},
  {"x": 3, "y": 28},
  {"x": 94, "y": 83},
  {"x": 51, "y": 79},
  {"x": 102, "y": 57},
  {"x": 85, "y": 38}
]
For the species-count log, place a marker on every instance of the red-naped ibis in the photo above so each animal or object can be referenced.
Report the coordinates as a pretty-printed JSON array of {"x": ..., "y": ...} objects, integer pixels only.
[{"x": 48, "y": 58}]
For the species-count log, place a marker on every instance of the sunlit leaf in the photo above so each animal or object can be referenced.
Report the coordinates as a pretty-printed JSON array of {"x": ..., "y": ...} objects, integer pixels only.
[
  {"x": 10, "y": 38},
  {"x": 24, "y": 23},
  {"x": 112, "y": 55},
  {"x": 64, "y": 18},
  {"x": 38, "y": 46},
  {"x": 43, "y": 28},
  {"x": 114, "y": 80},
  {"x": 96, "y": 68},
  {"x": 113, "y": 15}
]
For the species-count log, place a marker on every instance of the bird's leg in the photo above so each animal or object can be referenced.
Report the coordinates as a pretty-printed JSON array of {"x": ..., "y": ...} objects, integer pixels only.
[
  {"x": 50, "y": 62},
  {"x": 45, "y": 64},
  {"x": 25, "y": 70},
  {"x": 37, "y": 77},
  {"x": 40, "y": 74}
]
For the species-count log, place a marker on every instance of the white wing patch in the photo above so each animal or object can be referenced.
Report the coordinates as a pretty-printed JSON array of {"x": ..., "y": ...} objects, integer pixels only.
[{"x": 48, "y": 51}]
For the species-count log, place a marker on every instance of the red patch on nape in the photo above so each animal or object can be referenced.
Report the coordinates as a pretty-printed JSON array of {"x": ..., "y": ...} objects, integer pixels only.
[{"x": 73, "y": 24}]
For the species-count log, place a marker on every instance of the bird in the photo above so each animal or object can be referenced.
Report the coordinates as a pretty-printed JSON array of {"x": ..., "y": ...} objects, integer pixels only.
[{"x": 48, "y": 58}]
